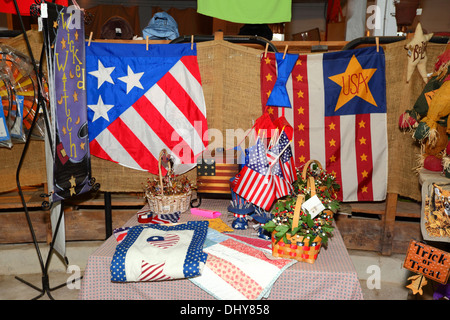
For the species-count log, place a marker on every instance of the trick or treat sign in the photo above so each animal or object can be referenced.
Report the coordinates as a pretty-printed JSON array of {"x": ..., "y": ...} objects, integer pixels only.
[
  {"x": 72, "y": 158},
  {"x": 428, "y": 261}
]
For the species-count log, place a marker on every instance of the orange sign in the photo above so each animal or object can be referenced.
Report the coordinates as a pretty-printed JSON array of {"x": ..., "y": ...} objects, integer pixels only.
[{"x": 429, "y": 261}]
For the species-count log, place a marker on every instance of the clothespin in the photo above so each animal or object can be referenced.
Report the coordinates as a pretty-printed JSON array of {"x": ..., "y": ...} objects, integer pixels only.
[
  {"x": 192, "y": 42},
  {"x": 146, "y": 43},
  {"x": 90, "y": 38},
  {"x": 267, "y": 48},
  {"x": 285, "y": 50},
  {"x": 377, "y": 41}
]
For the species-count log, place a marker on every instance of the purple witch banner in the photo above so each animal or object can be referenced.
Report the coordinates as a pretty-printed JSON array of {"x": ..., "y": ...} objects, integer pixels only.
[{"x": 72, "y": 166}]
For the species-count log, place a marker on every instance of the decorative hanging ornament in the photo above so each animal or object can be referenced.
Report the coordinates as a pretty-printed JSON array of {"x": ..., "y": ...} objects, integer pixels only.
[{"x": 417, "y": 53}]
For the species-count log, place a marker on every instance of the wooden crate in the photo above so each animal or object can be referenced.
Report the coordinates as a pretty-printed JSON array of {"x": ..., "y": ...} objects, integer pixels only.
[{"x": 385, "y": 227}]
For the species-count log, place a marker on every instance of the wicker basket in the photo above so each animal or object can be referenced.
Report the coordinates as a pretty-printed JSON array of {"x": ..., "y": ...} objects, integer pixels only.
[
  {"x": 297, "y": 247},
  {"x": 164, "y": 204}
]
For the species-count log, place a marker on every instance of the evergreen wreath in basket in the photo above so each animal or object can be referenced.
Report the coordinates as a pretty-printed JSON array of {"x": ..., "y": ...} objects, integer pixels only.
[
  {"x": 325, "y": 185},
  {"x": 284, "y": 225},
  {"x": 313, "y": 181}
]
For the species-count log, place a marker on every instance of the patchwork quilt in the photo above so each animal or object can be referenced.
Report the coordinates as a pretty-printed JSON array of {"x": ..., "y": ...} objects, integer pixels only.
[
  {"x": 155, "y": 252},
  {"x": 236, "y": 270}
]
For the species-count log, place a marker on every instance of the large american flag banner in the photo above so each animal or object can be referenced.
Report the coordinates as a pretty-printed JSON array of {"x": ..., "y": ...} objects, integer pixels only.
[
  {"x": 142, "y": 101},
  {"x": 338, "y": 113}
]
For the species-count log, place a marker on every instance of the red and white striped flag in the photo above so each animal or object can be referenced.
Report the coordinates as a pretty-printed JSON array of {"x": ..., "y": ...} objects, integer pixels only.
[
  {"x": 338, "y": 113},
  {"x": 283, "y": 183},
  {"x": 142, "y": 101},
  {"x": 287, "y": 163},
  {"x": 255, "y": 182}
]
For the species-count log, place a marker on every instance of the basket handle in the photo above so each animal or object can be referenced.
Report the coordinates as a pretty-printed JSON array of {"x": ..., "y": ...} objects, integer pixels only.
[
  {"x": 306, "y": 166},
  {"x": 297, "y": 209},
  {"x": 312, "y": 185},
  {"x": 161, "y": 154}
]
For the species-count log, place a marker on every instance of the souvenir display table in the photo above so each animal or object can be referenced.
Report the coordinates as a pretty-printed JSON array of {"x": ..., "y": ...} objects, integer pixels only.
[{"x": 332, "y": 276}]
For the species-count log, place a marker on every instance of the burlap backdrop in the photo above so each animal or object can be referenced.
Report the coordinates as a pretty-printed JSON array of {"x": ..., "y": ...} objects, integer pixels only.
[
  {"x": 231, "y": 85},
  {"x": 401, "y": 96},
  {"x": 230, "y": 78}
]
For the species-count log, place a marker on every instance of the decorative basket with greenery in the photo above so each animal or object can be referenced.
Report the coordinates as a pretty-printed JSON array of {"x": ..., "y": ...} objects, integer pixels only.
[
  {"x": 325, "y": 185},
  {"x": 295, "y": 233},
  {"x": 284, "y": 224}
]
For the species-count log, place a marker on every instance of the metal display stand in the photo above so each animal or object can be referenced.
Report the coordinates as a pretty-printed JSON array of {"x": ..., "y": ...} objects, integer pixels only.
[{"x": 45, "y": 289}]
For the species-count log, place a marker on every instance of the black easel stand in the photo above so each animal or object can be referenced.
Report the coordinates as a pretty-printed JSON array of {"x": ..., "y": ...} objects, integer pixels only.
[{"x": 41, "y": 107}]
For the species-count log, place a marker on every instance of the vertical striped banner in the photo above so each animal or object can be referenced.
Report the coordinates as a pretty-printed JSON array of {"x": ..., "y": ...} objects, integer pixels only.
[{"x": 338, "y": 117}]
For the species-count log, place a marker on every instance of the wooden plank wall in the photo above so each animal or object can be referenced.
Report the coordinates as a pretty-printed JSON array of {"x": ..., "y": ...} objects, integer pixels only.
[{"x": 84, "y": 217}]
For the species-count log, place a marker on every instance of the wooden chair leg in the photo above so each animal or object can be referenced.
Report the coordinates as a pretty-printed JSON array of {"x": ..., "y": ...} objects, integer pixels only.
[{"x": 389, "y": 224}]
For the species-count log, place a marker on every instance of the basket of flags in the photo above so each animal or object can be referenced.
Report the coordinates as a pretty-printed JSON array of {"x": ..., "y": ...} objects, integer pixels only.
[{"x": 168, "y": 194}]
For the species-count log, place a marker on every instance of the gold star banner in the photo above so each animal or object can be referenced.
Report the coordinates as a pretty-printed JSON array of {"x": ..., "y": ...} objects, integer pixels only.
[{"x": 338, "y": 116}]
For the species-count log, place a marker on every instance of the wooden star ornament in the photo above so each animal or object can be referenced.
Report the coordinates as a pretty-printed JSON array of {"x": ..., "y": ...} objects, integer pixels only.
[
  {"x": 417, "y": 282},
  {"x": 417, "y": 53}
]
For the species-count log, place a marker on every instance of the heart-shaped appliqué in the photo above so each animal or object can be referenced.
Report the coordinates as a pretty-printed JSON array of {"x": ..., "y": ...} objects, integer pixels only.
[{"x": 163, "y": 242}]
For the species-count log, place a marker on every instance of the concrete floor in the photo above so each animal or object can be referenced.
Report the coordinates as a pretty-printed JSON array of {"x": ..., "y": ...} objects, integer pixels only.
[{"x": 21, "y": 260}]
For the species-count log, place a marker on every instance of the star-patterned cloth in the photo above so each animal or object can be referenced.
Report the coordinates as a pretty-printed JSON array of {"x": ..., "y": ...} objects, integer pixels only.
[
  {"x": 338, "y": 116},
  {"x": 142, "y": 101}
]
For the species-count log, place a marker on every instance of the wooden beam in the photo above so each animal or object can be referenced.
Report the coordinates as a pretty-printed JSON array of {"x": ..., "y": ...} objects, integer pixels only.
[{"x": 389, "y": 224}]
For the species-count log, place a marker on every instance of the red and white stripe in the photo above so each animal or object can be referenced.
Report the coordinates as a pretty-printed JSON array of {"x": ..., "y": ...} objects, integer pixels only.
[
  {"x": 289, "y": 171},
  {"x": 169, "y": 241},
  {"x": 256, "y": 188},
  {"x": 152, "y": 272},
  {"x": 360, "y": 168},
  {"x": 163, "y": 118},
  {"x": 282, "y": 187}
]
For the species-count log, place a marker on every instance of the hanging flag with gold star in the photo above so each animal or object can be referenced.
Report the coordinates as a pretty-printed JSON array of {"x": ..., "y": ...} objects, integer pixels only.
[
  {"x": 338, "y": 113},
  {"x": 72, "y": 166}
]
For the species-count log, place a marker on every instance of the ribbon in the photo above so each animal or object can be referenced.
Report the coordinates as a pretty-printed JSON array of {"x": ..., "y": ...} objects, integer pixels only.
[{"x": 279, "y": 96}]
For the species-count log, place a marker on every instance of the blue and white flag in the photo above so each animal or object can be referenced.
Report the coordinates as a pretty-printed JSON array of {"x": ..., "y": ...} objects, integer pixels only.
[
  {"x": 338, "y": 115},
  {"x": 142, "y": 101}
]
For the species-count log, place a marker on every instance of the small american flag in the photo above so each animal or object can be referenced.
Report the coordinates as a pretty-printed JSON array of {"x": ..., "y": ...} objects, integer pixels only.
[
  {"x": 287, "y": 159},
  {"x": 283, "y": 186},
  {"x": 254, "y": 181},
  {"x": 121, "y": 233}
]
